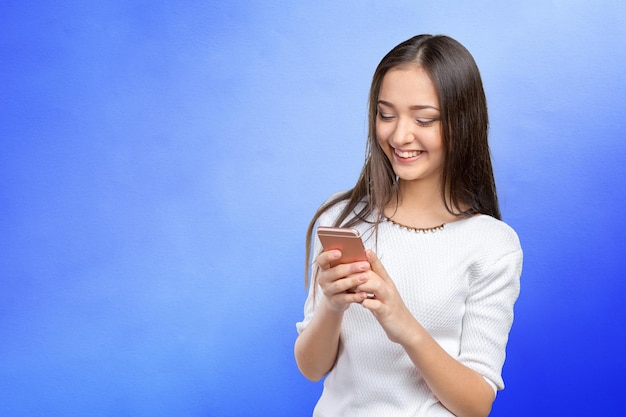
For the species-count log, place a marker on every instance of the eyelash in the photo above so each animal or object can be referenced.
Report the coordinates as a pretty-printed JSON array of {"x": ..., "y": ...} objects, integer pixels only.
[
  {"x": 422, "y": 123},
  {"x": 426, "y": 123}
]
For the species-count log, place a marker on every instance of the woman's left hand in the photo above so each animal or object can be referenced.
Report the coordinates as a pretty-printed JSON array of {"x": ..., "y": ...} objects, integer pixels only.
[{"x": 386, "y": 304}]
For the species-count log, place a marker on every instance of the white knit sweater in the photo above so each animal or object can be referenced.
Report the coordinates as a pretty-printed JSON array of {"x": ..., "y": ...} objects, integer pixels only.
[{"x": 460, "y": 283}]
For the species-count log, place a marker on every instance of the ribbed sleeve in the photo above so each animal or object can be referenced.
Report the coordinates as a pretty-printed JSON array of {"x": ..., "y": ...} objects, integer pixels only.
[{"x": 494, "y": 288}]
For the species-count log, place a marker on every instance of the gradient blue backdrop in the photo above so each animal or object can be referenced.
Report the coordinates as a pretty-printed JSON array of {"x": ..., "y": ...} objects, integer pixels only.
[{"x": 160, "y": 162}]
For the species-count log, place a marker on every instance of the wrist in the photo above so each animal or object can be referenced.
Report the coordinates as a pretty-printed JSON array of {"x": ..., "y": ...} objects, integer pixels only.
[{"x": 413, "y": 337}]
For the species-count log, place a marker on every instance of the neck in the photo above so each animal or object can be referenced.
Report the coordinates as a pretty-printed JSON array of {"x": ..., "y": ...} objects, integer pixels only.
[
  {"x": 419, "y": 205},
  {"x": 416, "y": 195}
]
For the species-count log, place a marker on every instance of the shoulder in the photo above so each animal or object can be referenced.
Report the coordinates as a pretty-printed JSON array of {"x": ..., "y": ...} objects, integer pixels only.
[
  {"x": 331, "y": 211},
  {"x": 490, "y": 228},
  {"x": 492, "y": 237},
  {"x": 496, "y": 230},
  {"x": 335, "y": 205},
  {"x": 497, "y": 251}
]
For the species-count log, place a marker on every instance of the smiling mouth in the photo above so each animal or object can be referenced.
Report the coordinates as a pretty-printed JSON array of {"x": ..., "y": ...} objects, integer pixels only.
[{"x": 407, "y": 154}]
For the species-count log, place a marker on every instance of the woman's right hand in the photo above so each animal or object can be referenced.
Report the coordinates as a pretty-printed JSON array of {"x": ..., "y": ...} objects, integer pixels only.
[{"x": 338, "y": 282}]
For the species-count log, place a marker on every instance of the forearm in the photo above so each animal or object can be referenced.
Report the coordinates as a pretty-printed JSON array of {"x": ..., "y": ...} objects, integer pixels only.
[
  {"x": 460, "y": 389},
  {"x": 316, "y": 347}
]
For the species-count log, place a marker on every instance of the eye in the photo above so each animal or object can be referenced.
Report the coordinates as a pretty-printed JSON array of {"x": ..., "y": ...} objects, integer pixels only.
[
  {"x": 426, "y": 122},
  {"x": 385, "y": 117}
]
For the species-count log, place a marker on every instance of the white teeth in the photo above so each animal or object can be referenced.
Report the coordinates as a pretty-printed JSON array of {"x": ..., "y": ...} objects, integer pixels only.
[{"x": 407, "y": 154}]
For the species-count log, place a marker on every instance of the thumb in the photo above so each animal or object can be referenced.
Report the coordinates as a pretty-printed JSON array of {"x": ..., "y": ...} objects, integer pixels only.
[{"x": 377, "y": 265}]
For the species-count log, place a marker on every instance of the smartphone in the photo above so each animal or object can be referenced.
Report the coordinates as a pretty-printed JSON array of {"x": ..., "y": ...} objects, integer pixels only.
[{"x": 347, "y": 240}]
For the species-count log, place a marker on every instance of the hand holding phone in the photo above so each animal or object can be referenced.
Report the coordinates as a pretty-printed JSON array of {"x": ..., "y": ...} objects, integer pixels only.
[{"x": 347, "y": 240}]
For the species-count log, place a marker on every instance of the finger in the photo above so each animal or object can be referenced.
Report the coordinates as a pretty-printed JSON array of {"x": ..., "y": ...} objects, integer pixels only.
[
  {"x": 350, "y": 282},
  {"x": 376, "y": 265},
  {"x": 344, "y": 277},
  {"x": 345, "y": 270},
  {"x": 372, "y": 304},
  {"x": 325, "y": 259},
  {"x": 372, "y": 285},
  {"x": 351, "y": 297}
]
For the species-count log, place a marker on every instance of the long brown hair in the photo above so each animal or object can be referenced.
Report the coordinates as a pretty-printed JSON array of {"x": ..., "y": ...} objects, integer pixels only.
[{"x": 467, "y": 183}]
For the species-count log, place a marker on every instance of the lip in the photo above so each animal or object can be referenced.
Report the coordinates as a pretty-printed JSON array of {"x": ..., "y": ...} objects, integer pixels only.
[{"x": 407, "y": 155}]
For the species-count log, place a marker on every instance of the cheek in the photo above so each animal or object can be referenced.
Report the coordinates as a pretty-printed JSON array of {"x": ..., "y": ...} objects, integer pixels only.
[
  {"x": 382, "y": 134},
  {"x": 435, "y": 141}
]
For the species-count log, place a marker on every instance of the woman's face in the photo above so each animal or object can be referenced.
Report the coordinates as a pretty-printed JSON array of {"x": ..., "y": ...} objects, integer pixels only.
[{"x": 408, "y": 126}]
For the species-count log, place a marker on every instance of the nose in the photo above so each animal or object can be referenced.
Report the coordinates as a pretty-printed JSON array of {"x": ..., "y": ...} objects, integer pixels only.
[{"x": 404, "y": 132}]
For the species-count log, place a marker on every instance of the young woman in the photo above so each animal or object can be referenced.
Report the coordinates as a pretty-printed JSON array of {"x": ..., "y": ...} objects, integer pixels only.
[{"x": 421, "y": 327}]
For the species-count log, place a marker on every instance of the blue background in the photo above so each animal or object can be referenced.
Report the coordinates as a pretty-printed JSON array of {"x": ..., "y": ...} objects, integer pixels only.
[{"x": 160, "y": 162}]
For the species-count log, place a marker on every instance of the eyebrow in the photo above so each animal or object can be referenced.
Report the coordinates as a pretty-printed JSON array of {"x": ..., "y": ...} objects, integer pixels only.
[{"x": 415, "y": 107}]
